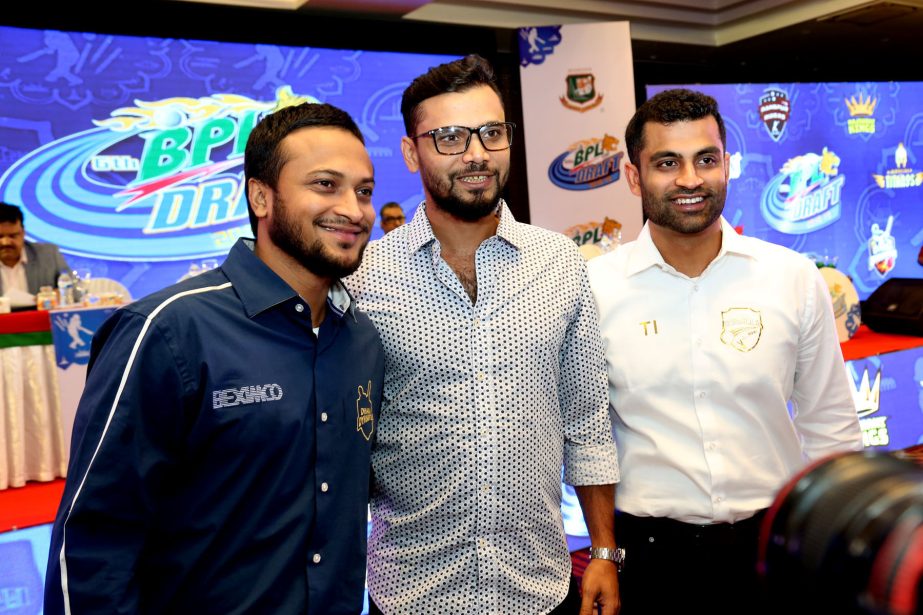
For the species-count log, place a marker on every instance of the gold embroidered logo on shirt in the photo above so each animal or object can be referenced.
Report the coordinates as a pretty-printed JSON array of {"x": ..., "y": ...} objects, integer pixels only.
[
  {"x": 365, "y": 418},
  {"x": 741, "y": 328}
]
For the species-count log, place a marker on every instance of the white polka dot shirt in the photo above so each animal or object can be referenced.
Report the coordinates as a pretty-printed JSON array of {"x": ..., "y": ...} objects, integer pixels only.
[{"x": 483, "y": 403}]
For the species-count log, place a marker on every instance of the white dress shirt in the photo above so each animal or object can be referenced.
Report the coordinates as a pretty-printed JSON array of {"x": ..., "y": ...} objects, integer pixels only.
[
  {"x": 482, "y": 405},
  {"x": 701, "y": 371},
  {"x": 14, "y": 278}
]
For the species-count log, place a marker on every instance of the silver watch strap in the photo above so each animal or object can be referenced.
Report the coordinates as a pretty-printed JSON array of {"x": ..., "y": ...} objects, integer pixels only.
[{"x": 613, "y": 555}]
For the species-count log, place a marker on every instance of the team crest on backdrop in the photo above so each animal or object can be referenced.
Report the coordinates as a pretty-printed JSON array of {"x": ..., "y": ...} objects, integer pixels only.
[
  {"x": 902, "y": 176},
  {"x": 775, "y": 110},
  {"x": 861, "y": 110},
  {"x": 882, "y": 248},
  {"x": 867, "y": 396}
]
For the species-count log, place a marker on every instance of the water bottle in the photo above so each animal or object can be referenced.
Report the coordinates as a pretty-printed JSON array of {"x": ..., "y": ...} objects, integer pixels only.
[
  {"x": 65, "y": 289},
  {"x": 78, "y": 292}
]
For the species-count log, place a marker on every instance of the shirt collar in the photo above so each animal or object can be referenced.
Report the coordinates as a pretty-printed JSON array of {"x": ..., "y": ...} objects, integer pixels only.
[
  {"x": 260, "y": 288},
  {"x": 645, "y": 254},
  {"x": 420, "y": 232}
]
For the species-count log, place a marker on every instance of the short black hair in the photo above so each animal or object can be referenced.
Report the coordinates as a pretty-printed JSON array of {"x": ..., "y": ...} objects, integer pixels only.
[
  {"x": 667, "y": 107},
  {"x": 458, "y": 76},
  {"x": 263, "y": 159},
  {"x": 390, "y": 205},
  {"x": 10, "y": 213}
]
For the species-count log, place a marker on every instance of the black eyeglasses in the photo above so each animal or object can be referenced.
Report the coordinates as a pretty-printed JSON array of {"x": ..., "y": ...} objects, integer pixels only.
[{"x": 454, "y": 140}]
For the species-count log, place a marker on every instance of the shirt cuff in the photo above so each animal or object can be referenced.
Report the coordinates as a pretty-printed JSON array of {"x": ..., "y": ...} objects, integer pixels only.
[{"x": 590, "y": 464}]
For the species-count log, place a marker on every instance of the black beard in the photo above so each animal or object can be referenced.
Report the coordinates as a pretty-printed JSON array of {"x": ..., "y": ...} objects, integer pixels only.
[
  {"x": 446, "y": 198},
  {"x": 660, "y": 211},
  {"x": 285, "y": 234}
]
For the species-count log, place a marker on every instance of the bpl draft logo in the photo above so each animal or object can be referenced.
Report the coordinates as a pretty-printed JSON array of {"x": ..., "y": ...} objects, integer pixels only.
[
  {"x": 581, "y": 92},
  {"x": 775, "y": 109},
  {"x": 806, "y": 194},
  {"x": 587, "y": 164},
  {"x": 159, "y": 181},
  {"x": 536, "y": 44},
  {"x": 882, "y": 248}
]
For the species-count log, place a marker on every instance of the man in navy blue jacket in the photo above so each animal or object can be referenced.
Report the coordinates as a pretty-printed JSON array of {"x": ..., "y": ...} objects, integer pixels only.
[{"x": 220, "y": 458}]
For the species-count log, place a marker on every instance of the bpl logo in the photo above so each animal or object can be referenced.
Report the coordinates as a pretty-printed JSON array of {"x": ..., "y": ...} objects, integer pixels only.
[
  {"x": 587, "y": 164},
  {"x": 806, "y": 194},
  {"x": 159, "y": 181}
]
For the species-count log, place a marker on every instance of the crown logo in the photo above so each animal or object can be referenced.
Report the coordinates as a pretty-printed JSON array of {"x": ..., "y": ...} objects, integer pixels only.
[
  {"x": 867, "y": 397},
  {"x": 861, "y": 107}
]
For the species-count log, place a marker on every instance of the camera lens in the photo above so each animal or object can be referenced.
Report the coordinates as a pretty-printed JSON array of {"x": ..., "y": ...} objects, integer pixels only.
[{"x": 838, "y": 537}]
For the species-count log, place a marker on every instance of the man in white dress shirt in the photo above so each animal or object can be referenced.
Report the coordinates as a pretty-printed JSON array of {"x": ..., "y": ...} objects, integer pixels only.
[
  {"x": 494, "y": 378},
  {"x": 709, "y": 335},
  {"x": 25, "y": 266}
]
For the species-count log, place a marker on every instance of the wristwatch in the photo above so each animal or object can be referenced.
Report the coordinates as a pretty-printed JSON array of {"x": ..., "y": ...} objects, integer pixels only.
[{"x": 613, "y": 555}]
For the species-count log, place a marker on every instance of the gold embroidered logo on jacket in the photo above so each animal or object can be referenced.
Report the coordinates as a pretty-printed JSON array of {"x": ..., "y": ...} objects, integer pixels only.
[{"x": 365, "y": 418}]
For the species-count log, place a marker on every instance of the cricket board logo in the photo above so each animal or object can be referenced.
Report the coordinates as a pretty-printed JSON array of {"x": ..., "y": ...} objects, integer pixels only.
[
  {"x": 581, "y": 94},
  {"x": 741, "y": 328}
]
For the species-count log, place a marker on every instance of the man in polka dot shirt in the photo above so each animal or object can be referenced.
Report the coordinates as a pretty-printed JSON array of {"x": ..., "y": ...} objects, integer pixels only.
[{"x": 495, "y": 377}]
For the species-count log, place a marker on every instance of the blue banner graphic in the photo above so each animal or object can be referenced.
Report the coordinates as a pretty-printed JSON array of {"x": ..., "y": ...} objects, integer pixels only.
[{"x": 128, "y": 152}]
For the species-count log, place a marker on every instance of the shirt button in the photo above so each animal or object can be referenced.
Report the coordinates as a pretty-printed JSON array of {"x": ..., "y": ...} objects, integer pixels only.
[
  {"x": 299, "y": 308},
  {"x": 477, "y": 322},
  {"x": 698, "y": 341},
  {"x": 323, "y": 417},
  {"x": 695, "y": 288},
  {"x": 712, "y": 446},
  {"x": 316, "y": 558},
  {"x": 324, "y": 487},
  {"x": 701, "y": 394},
  {"x": 718, "y": 499},
  {"x": 485, "y": 488},
  {"x": 480, "y": 375}
]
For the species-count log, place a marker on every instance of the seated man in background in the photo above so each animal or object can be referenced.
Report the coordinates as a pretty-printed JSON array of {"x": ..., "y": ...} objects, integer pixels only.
[
  {"x": 392, "y": 216},
  {"x": 25, "y": 266}
]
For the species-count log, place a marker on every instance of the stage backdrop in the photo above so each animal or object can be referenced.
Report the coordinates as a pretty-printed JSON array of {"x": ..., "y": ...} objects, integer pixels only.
[
  {"x": 833, "y": 170},
  {"x": 577, "y": 97},
  {"x": 128, "y": 152}
]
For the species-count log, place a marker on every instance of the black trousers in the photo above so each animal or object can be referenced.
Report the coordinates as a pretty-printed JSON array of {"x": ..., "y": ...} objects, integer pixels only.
[
  {"x": 675, "y": 567},
  {"x": 570, "y": 606}
]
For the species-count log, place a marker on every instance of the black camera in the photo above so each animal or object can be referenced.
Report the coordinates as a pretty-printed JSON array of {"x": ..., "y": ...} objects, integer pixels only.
[{"x": 846, "y": 536}]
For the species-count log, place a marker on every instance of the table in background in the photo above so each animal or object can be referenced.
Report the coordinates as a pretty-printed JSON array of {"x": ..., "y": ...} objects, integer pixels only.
[{"x": 31, "y": 433}]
